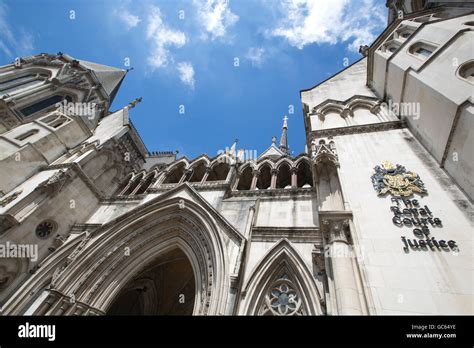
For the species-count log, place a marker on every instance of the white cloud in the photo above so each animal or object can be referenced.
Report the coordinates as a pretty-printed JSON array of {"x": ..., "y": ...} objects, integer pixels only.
[
  {"x": 130, "y": 20},
  {"x": 10, "y": 45},
  {"x": 215, "y": 17},
  {"x": 186, "y": 73},
  {"x": 255, "y": 55},
  {"x": 318, "y": 21},
  {"x": 161, "y": 38}
]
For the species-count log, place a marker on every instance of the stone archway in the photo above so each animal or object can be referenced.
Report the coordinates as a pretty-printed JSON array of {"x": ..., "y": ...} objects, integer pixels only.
[{"x": 166, "y": 286}]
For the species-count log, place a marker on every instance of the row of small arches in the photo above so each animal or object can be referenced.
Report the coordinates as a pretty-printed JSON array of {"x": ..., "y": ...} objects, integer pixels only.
[{"x": 268, "y": 175}]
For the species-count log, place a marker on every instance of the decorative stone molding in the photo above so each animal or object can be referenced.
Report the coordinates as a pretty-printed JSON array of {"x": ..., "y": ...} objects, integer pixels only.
[
  {"x": 366, "y": 128},
  {"x": 336, "y": 231},
  {"x": 7, "y": 200},
  {"x": 318, "y": 257},
  {"x": 281, "y": 265},
  {"x": 323, "y": 152},
  {"x": 290, "y": 192},
  {"x": 293, "y": 234},
  {"x": 335, "y": 226}
]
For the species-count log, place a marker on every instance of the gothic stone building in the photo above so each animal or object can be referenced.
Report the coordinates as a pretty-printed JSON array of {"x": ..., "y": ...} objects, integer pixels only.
[{"x": 374, "y": 218}]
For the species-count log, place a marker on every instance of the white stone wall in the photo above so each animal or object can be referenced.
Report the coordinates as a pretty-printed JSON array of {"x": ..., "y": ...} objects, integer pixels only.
[{"x": 418, "y": 282}]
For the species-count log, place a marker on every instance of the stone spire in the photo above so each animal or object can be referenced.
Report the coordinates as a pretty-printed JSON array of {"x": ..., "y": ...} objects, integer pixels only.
[{"x": 284, "y": 136}]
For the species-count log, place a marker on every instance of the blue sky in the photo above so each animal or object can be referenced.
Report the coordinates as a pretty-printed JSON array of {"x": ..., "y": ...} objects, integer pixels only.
[{"x": 235, "y": 66}]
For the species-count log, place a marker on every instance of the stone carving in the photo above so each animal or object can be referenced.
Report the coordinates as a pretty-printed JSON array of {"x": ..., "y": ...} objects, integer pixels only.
[
  {"x": 56, "y": 181},
  {"x": 7, "y": 200},
  {"x": 396, "y": 180},
  {"x": 282, "y": 298}
]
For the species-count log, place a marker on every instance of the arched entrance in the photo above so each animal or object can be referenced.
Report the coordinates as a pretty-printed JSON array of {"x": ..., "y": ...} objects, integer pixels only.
[{"x": 165, "y": 287}]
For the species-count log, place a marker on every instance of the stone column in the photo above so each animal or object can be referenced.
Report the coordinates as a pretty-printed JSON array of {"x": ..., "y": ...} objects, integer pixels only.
[
  {"x": 236, "y": 183},
  {"x": 206, "y": 174},
  {"x": 256, "y": 174},
  {"x": 338, "y": 248},
  {"x": 274, "y": 178},
  {"x": 294, "y": 177}
]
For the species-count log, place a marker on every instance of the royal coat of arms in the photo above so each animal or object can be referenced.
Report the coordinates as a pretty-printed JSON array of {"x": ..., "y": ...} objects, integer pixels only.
[{"x": 396, "y": 180}]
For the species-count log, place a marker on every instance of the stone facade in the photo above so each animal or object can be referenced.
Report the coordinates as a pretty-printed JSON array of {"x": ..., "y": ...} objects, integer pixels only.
[{"x": 374, "y": 218}]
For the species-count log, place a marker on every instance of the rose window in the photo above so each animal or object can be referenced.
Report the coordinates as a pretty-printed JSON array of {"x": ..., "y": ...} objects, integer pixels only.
[{"x": 283, "y": 299}]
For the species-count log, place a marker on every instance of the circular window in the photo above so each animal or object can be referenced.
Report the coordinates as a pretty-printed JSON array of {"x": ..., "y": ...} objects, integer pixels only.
[
  {"x": 406, "y": 35},
  {"x": 44, "y": 229},
  {"x": 392, "y": 49}
]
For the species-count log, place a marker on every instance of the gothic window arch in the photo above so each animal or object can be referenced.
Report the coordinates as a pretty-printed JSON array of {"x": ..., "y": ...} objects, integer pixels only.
[
  {"x": 133, "y": 184},
  {"x": 199, "y": 169},
  {"x": 245, "y": 179},
  {"x": 148, "y": 181},
  {"x": 304, "y": 176},
  {"x": 282, "y": 297},
  {"x": 283, "y": 176},
  {"x": 175, "y": 175},
  {"x": 219, "y": 172},
  {"x": 124, "y": 184},
  {"x": 281, "y": 285},
  {"x": 265, "y": 178}
]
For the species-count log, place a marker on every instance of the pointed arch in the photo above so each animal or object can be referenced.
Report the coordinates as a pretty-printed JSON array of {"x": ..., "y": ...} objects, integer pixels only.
[
  {"x": 284, "y": 176},
  {"x": 147, "y": 182},
  {"x": 304, "y": 175},
  {"x": 245, "y": 178},
  {"x": 103, "y": 270},
  {"x": 124, "y": 184},
  {"x": 268, "y": 162},
  {"x": 265, "y": 178},
  {"x": 198, "y": 170},
  {"x": 219, "y": 172},
  {"x": 176, "y": 172},
  {"x": 134, "y": 182},
  {"x": 282, "y": 161},
  {"x": 281, "y": 265},
  {"x": 222, "y": 158}
]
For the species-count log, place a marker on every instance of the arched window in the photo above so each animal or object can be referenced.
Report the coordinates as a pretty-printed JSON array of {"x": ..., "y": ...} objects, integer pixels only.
[
  {"x": 175, "y": 175},
  {"x": 124, "y": 184},
  {"x": 422, "y": 49},
  {"x": 304, "y": 175},
  {"x": 28, "y": 134},
  {"x": 44, "y": 104},
  {"x": 284, "y": 176},
  {"x": 219, "y": 172},
  {"x": 133, "y": 184},
  {"x": 265, "y": 179},
  {"x": 245, "y": 180},
  {"x": 198, "y": 172},
  {"x": 146, "y": 184},
  {"x": 12, "y": 85}
]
